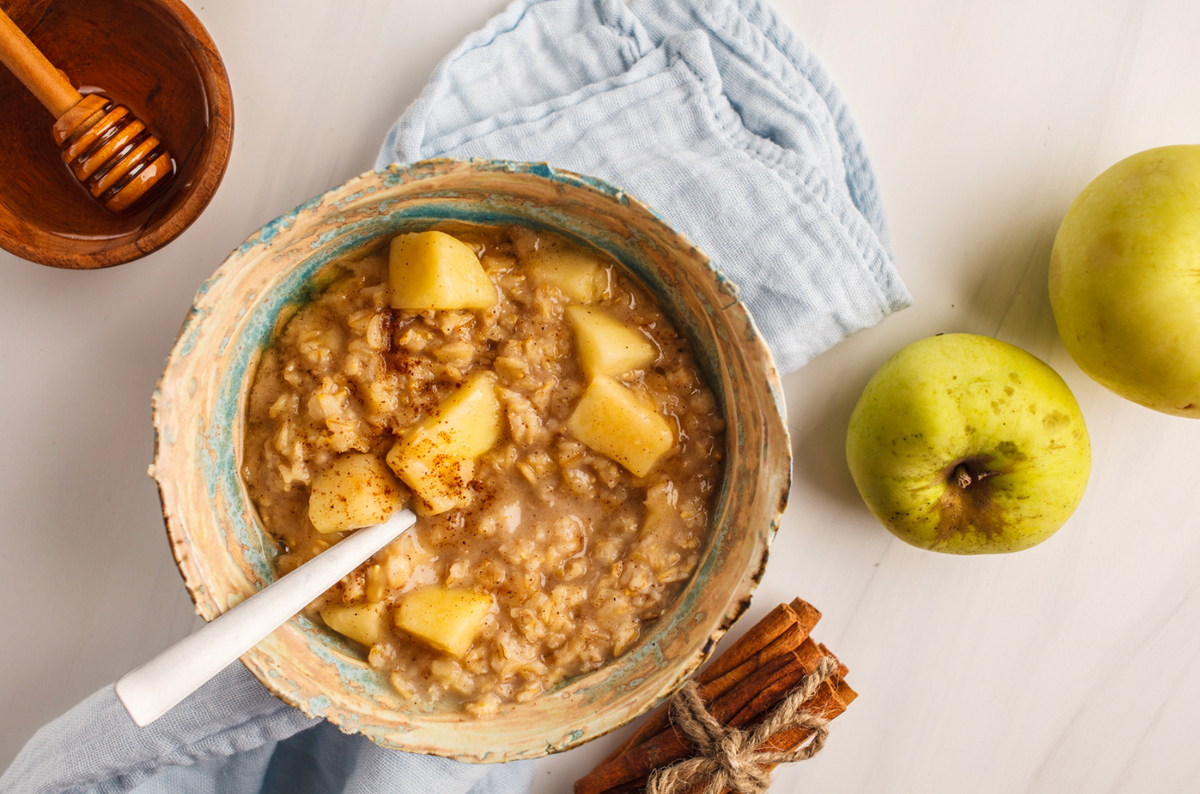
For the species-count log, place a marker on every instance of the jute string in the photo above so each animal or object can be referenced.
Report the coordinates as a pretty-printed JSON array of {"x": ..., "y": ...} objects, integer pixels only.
[{"x": 728, "y": 759}]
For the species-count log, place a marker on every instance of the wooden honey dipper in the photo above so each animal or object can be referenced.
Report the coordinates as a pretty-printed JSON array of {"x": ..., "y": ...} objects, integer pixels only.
[{"x": 112, "y": 153}]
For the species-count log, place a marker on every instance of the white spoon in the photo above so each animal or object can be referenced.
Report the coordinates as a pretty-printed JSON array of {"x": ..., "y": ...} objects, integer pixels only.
[{"x": 161, "y": 683}]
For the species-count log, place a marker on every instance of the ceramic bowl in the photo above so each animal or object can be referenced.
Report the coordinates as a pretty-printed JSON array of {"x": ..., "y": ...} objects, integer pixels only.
[
  {"x": 153, "y": 56},
  {"x": 225, "y": 555}
]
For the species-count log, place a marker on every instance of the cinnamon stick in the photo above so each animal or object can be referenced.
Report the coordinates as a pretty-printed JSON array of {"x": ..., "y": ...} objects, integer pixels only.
[
  {"x": 830, "y": 701},
  {"x": 782, "y": 630},
  {"x": 758, "y": 637},
  {"x": 660, "y": 720},
  {"x": 808, "y": 655},
  {"x": 789, "y": 738},
  {"x": 723, "y": 674},
  {"x": 842, "y": 669},
  {"x": 668, "y": 747},
  {"x": 807, "y": 615},
  {"x": 740, "y": 687},
  {"x": 789, "y": 640}
]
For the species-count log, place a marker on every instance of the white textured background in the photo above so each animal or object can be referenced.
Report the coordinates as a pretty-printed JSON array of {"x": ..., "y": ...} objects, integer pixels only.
[{"x": 1074, "y": 666}]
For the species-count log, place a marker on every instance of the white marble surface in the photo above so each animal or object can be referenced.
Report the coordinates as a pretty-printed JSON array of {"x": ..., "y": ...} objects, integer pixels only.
[{"x": 1074, "y": 666}]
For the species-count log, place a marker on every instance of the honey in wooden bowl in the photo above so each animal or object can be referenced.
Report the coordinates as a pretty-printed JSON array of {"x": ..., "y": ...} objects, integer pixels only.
[{"x": 153, "y": 56}]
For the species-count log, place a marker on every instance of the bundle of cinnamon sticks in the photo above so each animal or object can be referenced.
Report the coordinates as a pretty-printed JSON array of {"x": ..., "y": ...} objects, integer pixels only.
[{"x": 740, "y": 687}]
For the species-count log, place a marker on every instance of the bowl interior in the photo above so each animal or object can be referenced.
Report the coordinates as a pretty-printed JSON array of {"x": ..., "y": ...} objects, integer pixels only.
[
  {"x": 153, "y": 56},
  {"x": 224, "y": 554}
]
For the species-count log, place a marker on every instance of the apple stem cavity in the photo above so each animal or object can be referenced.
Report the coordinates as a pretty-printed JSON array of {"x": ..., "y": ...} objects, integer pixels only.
[
  {"x": 964, "y": 477},
  {"x": 966, "y": 506}
]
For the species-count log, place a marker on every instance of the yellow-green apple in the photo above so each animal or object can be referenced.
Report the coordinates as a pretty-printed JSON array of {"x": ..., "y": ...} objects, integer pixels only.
[
  {"x": 968, "y": 445},
  {"x": 1125, "y": 279}
]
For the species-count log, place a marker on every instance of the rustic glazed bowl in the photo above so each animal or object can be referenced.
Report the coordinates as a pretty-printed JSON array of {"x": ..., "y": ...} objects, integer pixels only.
[
  {"x": 225, "y": 555},
  {"x": 153, "y": 56}
]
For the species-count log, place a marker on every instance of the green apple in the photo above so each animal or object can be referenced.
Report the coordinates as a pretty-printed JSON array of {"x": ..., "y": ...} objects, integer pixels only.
[
  {"x": 1125, "y": 279},
  {"x": 967, "y": 445}
]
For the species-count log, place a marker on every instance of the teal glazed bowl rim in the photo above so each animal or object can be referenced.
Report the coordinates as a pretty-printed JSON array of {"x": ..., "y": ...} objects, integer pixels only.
[{"x": 225, "y": 555}]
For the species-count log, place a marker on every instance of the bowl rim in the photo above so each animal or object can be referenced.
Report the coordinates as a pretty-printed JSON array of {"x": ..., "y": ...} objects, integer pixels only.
[
  {"x": 775, "y": 425},
  {"x": 220, "y": 140}
]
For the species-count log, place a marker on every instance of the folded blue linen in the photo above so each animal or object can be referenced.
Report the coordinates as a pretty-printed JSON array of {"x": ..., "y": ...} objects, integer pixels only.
[{"x": 713, "y": 113}]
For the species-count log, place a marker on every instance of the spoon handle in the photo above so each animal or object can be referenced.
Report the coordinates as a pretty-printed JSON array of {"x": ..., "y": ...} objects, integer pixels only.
[{"x": 158, "y": 685}]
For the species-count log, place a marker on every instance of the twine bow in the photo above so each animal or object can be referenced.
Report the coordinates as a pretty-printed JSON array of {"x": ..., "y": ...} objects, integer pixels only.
[{"x": 728, "y": 759}]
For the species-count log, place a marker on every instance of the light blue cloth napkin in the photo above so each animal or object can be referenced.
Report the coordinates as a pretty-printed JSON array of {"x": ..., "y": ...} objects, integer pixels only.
[{"x": 712, "y": 112}]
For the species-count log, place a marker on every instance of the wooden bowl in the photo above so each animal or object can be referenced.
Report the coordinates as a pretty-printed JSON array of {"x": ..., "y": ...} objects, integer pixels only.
[
  {"x": 153, "y": 56},
  {"x": 225, "y": 555}
]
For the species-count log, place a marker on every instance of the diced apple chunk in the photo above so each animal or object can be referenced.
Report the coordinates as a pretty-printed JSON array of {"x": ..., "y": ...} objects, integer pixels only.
[
  {"x": 432, "y": 270},
  {"x": 614, "y": 421},
  {"x": 607, "y": 346},
  {"x": 364, "y": 623},
  {"x": 444, "y": 483},
  {"x": 356, "y": 491},
  {"x": 578, "y": 274},
  {"x": 436, "y": 456},
  {"x": 443, "y": 618}
]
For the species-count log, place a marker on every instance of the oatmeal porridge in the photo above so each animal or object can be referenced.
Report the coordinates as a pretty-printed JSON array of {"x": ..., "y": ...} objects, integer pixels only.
[{"x": 535, "y": 408}]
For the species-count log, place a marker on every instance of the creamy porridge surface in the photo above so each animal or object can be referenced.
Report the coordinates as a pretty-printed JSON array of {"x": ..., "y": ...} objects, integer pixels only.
[{"x": 538, "y": 558}]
